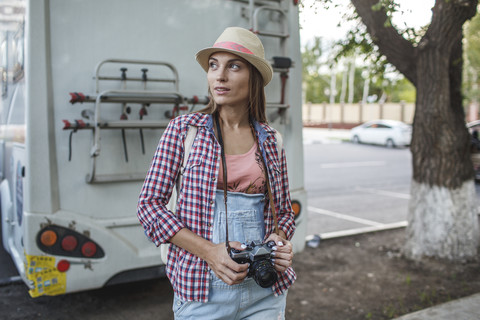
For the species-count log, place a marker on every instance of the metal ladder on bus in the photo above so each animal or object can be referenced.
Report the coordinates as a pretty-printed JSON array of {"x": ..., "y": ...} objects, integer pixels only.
[
  {"x": 122, "y": 96},
  {"x": 281, "y": 64}
]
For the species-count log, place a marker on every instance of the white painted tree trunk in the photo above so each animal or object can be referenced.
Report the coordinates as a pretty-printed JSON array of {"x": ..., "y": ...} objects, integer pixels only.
[{"x": 442, "y": 222}]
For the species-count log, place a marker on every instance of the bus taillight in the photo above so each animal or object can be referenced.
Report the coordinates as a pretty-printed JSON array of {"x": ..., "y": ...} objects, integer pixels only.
[
  {"x": 69, "y": 243},
  {"x": 89, "y": 249},
  {"x": 61, "y": 241},
  {"x": 48, "y": 238}
]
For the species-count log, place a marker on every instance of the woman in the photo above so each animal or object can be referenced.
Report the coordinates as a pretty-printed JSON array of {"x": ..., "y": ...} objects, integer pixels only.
[{"x": 207, "y": 283}]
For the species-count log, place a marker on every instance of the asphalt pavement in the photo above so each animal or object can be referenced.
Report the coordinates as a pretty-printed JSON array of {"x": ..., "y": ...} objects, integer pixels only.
[
  {"x": 353, "y": 189},
  {"x": 467, "y": 308}
]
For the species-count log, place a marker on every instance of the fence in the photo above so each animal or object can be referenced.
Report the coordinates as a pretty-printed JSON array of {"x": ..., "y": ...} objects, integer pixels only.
[{"x": 352, "y": 114}]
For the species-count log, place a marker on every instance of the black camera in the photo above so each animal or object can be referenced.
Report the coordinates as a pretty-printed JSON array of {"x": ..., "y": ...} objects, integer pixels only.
[{"x": 258, "y": 254}]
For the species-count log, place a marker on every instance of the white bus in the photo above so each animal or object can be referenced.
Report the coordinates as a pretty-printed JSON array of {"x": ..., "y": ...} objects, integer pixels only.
[{"x": 87, "y": 89}]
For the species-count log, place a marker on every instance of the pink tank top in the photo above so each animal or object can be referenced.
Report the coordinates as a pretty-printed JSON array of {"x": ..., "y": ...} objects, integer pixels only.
[{"x": 245, "y": 172}]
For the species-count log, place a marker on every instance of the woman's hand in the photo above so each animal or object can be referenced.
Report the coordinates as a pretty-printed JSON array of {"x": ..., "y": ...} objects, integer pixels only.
[
  {"x": 215, "y": 255},
  {"x": 283, "y": 252},
  {"x": 224, "y": 267}
]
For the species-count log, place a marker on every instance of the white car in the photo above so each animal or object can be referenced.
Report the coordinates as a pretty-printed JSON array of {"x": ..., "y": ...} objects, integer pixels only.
[{"x": 390, "y": 133}]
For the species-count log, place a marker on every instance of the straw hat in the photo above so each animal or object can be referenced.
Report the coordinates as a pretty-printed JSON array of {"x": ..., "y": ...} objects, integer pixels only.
[{"x": 243, "y": 43}]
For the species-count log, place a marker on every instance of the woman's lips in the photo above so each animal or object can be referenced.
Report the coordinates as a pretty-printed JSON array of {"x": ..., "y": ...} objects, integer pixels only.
[{"x": 221, "y": 90}]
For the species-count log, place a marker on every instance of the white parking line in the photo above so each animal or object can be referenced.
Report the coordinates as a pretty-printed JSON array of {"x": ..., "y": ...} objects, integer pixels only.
[
  {"x": 385, "y": 193},
  {"x": 352, "y": 232},
  {"x": 344, "y": 216},
  {"x": 352, "y": 164}
]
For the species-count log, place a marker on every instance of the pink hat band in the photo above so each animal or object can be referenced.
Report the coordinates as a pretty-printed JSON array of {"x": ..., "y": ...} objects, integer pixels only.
[{"x": 232, "y": 46}]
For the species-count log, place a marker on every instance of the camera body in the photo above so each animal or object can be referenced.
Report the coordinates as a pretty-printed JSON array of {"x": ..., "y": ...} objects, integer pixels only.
[{"x": 258, "y": 254}]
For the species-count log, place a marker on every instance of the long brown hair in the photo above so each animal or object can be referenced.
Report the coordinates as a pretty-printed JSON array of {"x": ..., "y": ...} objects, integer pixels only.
[{"x": 256, "y": 98}]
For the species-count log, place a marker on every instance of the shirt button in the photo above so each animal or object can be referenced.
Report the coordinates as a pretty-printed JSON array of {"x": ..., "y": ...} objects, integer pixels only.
[
  {"x": 211, "y": 201},
  {"x": 214, "y": 179}
]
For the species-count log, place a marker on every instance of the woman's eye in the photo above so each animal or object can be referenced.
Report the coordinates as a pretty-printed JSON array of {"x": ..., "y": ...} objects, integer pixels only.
[
  {"x": 212, "y": 65},
  {"x": 234, "y": 66}
]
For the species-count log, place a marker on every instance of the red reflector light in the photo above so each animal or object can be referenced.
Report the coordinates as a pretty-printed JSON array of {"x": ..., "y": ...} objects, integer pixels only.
[
  {"x": 63, "y": 265},
  {"x": 297, "y": 208},
  {"x": 89, "y": 249},
  {"x": 48, "y": 238},
  {"x": 69, "y": 243}
]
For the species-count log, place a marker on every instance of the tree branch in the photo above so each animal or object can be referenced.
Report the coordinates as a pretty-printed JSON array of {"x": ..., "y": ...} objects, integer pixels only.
[
  {"x": 399, "y": 51},
  {"x": 447, "y": 19}
]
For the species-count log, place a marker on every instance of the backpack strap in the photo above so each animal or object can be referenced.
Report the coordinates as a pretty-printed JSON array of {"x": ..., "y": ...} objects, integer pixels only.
[
  {"x": 279, "y": 138},
  {"x": 172, "y": 203},
  {"x": 192, "y": 132}
]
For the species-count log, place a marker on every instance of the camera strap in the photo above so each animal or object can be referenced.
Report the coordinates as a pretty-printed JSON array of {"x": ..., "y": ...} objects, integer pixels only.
[{"x": 224, "y": 164}]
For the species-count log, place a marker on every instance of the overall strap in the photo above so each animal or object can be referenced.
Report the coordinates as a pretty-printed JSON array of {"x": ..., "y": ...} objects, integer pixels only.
[{"x": 269, "y": 189}]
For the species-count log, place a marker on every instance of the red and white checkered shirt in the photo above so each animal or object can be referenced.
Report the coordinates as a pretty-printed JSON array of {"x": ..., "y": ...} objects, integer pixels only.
[{"x": 189, "y": 274}]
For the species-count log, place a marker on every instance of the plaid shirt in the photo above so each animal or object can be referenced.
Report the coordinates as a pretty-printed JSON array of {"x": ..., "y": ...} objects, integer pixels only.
[{"x": 189, "y": 274}]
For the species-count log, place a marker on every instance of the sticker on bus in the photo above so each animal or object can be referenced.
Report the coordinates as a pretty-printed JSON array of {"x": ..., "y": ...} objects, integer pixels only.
[{"x": 45, "y": 277}]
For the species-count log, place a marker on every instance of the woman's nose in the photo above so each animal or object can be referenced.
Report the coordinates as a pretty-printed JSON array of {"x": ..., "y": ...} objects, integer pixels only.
[{"x": 221, "y": 74}]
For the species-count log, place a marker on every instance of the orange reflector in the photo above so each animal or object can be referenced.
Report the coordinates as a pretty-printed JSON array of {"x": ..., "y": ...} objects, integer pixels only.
[
  {"x": 69, "y": 243},
  {"x": 89, "y": 249},
  {"x": 296, "y": 207},
  {"x": 63, "y": 265},
  {"x": 48, "y": 238}
]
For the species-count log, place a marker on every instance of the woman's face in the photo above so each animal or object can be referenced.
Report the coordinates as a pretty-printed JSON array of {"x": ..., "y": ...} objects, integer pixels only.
[{"x": 228, "y": 79}]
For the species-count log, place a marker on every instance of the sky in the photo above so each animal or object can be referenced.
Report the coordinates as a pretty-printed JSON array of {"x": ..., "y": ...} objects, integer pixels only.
[{"x": 322, "y": 23}]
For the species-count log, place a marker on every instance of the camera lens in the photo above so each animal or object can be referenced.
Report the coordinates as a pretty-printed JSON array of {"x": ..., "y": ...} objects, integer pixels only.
[{"x": 264, "y": 274}]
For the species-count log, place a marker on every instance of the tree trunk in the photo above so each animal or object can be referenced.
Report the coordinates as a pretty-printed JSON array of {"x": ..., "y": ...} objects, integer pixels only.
[
  {"x": 366, "y": 89},
  {"x": 351, "y": 81},
  {"x": 343, "y": 92},
  {"x": 442, "y": 218},
  {"x": 333, "y": 85}
]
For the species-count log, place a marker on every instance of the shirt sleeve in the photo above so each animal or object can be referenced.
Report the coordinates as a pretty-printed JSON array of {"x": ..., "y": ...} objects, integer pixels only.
[{"x": 161, "y": 224}]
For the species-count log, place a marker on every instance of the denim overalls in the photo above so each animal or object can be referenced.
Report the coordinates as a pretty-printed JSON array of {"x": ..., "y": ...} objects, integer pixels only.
[{"x": 246, "y": 300}]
